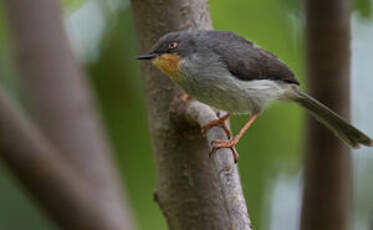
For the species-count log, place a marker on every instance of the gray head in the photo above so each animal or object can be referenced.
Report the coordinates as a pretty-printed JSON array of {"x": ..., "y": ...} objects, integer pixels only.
[
  {"x": 182, "y": 43},
  {"x": 185, "y": 43},
  {"x": 170, "y": 49}
]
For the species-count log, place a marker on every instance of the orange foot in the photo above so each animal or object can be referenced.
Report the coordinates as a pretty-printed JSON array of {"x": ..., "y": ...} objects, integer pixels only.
[
  {"x": 231, "y": 144},
  {"x": 219, "y": 122},
  {"x": 185, "y": 97}
]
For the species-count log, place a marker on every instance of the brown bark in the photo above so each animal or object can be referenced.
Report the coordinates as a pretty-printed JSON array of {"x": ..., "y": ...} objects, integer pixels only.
[
  {"x": 67, "y": 199},
  {"x": 193, "y": 191},
  {"x": 61, "y": 100},
  {"x": 327, "y": 185}
]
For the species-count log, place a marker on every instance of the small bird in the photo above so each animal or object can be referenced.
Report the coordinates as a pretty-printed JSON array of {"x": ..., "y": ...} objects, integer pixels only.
[{"x": 230, "y": 73}]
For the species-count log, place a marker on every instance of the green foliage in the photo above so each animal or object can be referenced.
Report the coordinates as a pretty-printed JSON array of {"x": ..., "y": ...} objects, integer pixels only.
[
  {"x": 364, "y": 8},
  {"x": 2, "y": 25},
  {"x": 71, "y": 5},
  {"x": 8, "y": 73}
]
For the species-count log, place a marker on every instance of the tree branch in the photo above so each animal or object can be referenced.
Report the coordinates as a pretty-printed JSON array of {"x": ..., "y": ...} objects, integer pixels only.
[
  {"x": 61, "y": 100},
  {"x": 225, "y": 167},
  {"x": 193, "y": 191},
  {"x": 67, "y": 199}
]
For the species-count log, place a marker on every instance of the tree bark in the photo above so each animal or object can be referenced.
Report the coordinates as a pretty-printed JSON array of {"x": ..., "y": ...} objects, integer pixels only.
[
  {"x": 193, "y": 191},
  {"x": 61, "y": 100},
  {"x": 67, "y": 199},
  {"x": 327, "y": 183}
]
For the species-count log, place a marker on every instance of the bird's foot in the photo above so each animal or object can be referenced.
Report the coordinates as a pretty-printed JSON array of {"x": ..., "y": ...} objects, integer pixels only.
[
  {"x": 185, "y": 97},
  {"x": 218, "y": 122},
  {"x": 231, "y": 144}
]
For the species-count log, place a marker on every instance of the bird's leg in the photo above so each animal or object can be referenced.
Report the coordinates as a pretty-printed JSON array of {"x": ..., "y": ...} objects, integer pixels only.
[
  {"x": 218, "y": 144},
  {"x": 220, "y": 122}
]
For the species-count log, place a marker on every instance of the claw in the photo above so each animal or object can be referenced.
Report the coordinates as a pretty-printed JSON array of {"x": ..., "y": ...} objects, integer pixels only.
[
  {"x": 185, "y": 97},
  {"x": 218, "y": 122},
  {"x": 231, "y": 144},
  {"x": 219, "y": 144}
]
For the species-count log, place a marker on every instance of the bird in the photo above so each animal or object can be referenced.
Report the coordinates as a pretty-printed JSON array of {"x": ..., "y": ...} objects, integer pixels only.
[{"x": 230, "y": 73}]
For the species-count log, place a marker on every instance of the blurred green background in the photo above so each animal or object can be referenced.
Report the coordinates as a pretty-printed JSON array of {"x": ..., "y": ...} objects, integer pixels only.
[{"x": 102, "y": 35}]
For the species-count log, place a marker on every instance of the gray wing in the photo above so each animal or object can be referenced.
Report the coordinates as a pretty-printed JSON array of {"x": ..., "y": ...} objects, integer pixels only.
[{"x": 247, "y": 61}]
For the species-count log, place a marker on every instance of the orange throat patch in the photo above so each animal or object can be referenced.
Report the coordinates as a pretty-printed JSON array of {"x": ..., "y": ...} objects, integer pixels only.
[{"x": 168, "y": 64}]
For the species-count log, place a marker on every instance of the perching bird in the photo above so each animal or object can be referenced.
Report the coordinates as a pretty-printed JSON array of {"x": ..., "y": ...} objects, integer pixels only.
[{"x": 230, "y": 73}]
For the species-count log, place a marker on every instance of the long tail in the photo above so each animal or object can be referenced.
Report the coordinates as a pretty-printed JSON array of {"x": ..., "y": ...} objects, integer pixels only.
[{"x": 342, "y": 129}]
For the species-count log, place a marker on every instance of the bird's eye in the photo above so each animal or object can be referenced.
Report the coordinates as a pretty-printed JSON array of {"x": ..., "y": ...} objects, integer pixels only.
[{"x": 172, "y": 45}]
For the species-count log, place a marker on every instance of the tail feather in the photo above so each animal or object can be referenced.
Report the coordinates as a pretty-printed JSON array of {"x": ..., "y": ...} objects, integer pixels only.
[{"x": 348, "y": 133}]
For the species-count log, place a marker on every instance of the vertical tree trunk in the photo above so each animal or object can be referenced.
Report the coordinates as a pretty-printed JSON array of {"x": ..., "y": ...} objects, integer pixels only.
[
  {"x": 327, "y": 185},
  {"x": 193, "y": 191},
  {"x": 61, "y": 100}
]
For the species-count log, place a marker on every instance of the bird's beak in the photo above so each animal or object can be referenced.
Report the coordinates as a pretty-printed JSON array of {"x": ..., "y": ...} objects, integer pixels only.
[{"x": 147, "y": 56}]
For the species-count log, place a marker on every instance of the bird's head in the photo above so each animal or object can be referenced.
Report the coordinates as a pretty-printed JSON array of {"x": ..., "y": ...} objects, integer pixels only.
[{"x": 168, "y": 52}]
